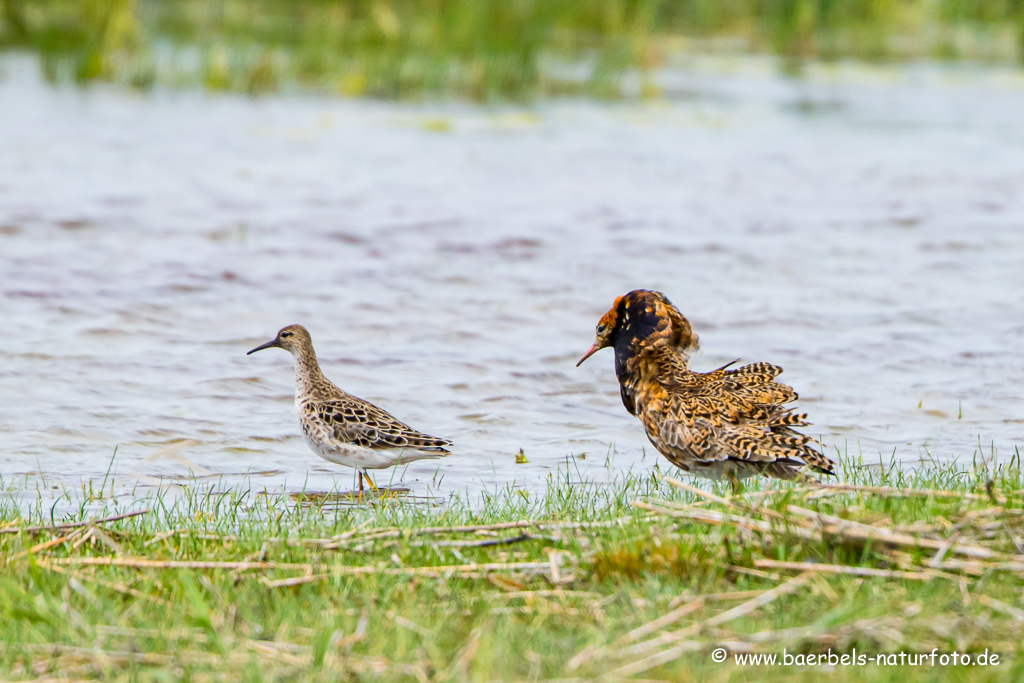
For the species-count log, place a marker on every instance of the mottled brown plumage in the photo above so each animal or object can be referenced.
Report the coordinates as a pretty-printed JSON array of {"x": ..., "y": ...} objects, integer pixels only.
[
  {"x": 342, "y": 428},
  {"x": 724, "y": 424}
]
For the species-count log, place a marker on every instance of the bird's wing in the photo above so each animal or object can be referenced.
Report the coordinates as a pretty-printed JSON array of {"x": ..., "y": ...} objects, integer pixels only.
[
  {"x": 361, "y": 423},
  {"x": 731, "y": 414}
]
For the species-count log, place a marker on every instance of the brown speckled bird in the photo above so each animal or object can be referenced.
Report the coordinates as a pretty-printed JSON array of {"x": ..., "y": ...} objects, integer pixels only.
[
  {"x": 724, "y": 424},
  {"x": 341, "y": 428}
]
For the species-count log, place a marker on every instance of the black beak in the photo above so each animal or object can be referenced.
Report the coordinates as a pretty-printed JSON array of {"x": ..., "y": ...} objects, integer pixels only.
[{"x": 273, "y": 343}]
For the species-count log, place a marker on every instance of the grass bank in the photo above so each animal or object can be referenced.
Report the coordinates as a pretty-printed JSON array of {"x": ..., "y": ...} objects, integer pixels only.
[
  {"x": 480, "y": 49},
  {"x": 644, "y": 579}
]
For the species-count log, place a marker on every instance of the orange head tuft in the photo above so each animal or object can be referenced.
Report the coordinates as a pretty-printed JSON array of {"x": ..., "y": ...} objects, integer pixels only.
[{"x": 641, "y": 319}]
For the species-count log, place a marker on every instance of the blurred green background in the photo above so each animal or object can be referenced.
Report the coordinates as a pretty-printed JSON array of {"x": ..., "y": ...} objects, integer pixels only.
[{"x": 480, "y": 49}]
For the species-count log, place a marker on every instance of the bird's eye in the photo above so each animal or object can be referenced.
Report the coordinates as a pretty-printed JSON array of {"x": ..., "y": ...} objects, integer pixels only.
[
  {"x": 286, "y": 334},
  {"x": 600, "y": 329}
]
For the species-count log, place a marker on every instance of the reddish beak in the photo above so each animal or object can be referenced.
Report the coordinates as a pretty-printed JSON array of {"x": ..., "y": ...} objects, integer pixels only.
[{"x": 593, "y": 349}]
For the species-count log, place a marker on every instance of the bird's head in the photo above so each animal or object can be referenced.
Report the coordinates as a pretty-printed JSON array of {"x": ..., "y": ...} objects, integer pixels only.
[
  {"x": 642, "y": 319},
  {"x": 292, "y": 339}
]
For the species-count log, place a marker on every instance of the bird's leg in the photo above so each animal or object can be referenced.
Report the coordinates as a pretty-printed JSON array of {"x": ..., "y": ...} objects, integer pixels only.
[
  {"x": 360, "y": 480},
  {"x": 735, "y": 482},
  {"x": 373, "y": 486}
]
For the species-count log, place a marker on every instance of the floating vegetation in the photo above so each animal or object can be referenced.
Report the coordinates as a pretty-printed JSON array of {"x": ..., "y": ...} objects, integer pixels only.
[
  {"x": 478, "y": 49},
  {"x": 333, "y": 500}
]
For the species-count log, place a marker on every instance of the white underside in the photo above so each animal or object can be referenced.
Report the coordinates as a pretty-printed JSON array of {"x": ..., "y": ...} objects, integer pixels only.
[{"x": 349, "y": 455}]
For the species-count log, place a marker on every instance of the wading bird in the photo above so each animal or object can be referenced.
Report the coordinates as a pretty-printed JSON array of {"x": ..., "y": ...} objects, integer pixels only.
[
  {"x": 724, "y": 424},
  {"x": 341, "y": 428}
]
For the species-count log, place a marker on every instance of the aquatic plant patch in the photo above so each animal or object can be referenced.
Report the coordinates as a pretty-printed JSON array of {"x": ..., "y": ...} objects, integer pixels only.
[{"x": 479, "y": 49}]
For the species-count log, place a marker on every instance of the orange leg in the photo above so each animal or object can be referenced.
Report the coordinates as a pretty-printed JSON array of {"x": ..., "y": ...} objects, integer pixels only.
[{"x": 363, "y": 474}]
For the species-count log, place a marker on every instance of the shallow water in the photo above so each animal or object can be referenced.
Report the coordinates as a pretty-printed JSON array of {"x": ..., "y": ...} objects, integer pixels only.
[{"x": 863, "y": 229}]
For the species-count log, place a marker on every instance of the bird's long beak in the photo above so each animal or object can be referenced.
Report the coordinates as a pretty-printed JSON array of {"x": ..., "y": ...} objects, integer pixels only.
[
  {"x": 593, "y": 349},
  {"x": 273, "y": 343}
]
